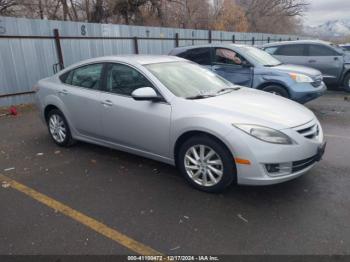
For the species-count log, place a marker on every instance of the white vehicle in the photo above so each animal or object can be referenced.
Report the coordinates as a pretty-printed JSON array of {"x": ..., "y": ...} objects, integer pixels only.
[{"x": 172, "y": 110}]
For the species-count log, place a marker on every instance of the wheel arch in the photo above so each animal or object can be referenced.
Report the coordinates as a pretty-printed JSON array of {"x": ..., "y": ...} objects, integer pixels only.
[
  {"x": 49, "y": 108},
  {"x": 274, "y": 83},
  {"x": 191, "y": 133}
]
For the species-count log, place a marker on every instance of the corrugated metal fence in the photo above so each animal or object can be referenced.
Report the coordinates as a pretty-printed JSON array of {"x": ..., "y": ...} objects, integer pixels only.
[{"x": 29, "y": 48}]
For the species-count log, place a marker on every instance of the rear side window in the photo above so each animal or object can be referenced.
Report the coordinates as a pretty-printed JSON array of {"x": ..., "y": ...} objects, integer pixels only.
[
  {"x": 320, "y": 50},
  {"x": 291, "y": 50},
  {"x": 198, "y": 55},
  {"x": 86, "y": 76}
]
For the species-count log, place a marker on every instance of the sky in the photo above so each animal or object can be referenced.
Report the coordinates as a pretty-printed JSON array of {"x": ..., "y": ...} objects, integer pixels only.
[{"x": 321, "y": 11}]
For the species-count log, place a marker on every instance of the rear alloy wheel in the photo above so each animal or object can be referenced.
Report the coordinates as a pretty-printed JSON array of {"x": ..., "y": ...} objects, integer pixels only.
[
  {"x": 276, "y": 90},
  {"x": 58, "y": 128},
  {"x": 347, "y": 83},
  {"x": 206, "y": 164}
]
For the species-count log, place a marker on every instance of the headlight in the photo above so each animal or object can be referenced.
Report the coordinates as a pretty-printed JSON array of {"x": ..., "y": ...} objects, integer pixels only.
[
  {"x": 265, "y": 134},
  {"x": 300, "y": 78}
]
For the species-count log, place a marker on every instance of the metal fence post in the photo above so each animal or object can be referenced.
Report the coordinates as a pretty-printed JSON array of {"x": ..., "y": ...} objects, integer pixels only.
[
  {"x": 177, "y": 40},
  {"x": 253, "y": 41},
  {"x": 233, "y": 38},
  {"x": 268, "y": 40},
  {"x": 209, "y": 36},
  {"x": 136, "y": 45},
  {"x": 58, "y": 48}
]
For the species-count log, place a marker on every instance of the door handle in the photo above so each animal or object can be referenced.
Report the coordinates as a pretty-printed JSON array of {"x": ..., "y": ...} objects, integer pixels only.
[
  {"x": 107, "y": 103},
  {"x": 63, "y": 92},
  {"x": 312, "y": 61}
]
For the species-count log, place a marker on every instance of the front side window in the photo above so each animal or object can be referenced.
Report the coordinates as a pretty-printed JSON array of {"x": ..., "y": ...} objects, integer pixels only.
[
  {"x": 123, "y": 79},
  {"x": 198, "y": 55},
  {"x": 226, "y": 56},
  {"x": 185, "y": 79},
  {"x": 291, "y": 50},
  {"x": 88, "y": 76},
  {"x": 319, "y": 50}
]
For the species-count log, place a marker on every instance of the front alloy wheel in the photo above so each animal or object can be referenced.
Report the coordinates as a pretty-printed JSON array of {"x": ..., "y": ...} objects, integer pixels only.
[
  {"x": 206, "y": 163},
  {"x": 203, "y": 165}
]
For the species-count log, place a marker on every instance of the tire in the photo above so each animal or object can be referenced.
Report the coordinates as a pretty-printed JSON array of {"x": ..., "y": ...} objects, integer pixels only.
[
  {"x": 346, "y": 82},
  {"x": 201, "y": 175},
  {"x": 59, "y": 129},
  {"x": 277, "y": 90}
]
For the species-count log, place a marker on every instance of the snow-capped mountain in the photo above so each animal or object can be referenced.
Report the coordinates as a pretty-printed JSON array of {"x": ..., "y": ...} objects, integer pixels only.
[{"x": 331, "y": 29}]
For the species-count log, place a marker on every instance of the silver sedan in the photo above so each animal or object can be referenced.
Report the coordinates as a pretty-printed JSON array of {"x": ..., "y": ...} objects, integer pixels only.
[{"x": 172, "y": 110}]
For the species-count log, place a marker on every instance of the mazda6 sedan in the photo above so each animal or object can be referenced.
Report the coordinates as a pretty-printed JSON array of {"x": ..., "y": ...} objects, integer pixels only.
[{"x": 174, "y": 111}]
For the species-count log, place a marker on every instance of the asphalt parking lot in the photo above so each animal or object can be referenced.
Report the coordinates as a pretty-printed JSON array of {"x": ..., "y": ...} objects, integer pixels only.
[{"x": 149, "y": 202}]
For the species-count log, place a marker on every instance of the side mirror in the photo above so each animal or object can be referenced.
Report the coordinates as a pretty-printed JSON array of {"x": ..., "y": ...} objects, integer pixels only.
[
  {"x": 246, "y": 64},
  {"x": 145, "y": 94}
]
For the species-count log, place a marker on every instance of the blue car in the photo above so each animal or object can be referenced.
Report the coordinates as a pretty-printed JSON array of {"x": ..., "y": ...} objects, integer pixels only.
[{"x": 252, "y": 67}]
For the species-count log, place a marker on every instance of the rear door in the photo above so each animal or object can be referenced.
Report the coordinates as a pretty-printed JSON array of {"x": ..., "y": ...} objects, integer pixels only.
[
  {"x": 81, "y": 95},
  {"x": 327, "y": 60},
  {"x": 232, "y": 66},
  {"x": 292, "y": 54}
]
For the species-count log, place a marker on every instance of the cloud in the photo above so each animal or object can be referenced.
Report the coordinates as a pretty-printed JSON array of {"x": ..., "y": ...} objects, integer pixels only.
[{"x": 321, "y": 11}]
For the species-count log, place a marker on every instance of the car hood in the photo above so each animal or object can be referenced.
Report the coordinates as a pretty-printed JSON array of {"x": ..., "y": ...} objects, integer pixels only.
[
  {"x": 252, "y": 106},
  {"x": 298, "y": 69}
]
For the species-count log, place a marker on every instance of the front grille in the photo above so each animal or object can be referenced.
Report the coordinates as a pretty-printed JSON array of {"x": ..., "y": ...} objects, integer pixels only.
[
  {"x": 302, "y": 164},
  {"x": 317, "y": 81},
  {"x": 310, "y": 130}
]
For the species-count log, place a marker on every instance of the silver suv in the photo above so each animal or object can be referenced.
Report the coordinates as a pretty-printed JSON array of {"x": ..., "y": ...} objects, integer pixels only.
[{"x": 330, "y": 59}]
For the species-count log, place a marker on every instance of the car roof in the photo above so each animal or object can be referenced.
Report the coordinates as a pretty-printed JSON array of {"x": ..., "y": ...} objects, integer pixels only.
[
  {"x": 132, "y": 59},
  {"x": 297, "y": 42},
  {"x": 185, "y": 48}
]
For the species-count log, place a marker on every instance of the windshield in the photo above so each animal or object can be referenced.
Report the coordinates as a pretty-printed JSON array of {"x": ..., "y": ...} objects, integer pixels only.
[
  {"x": 260, "y": 56},
  {"x": 188, "y": 80}
]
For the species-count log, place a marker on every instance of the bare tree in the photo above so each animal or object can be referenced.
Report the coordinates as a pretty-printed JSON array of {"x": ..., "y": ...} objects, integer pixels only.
[
  {"x": 228, "y": 16},
  {"x": 263, "y": 15},
  {"x": 6, "y": 5}
]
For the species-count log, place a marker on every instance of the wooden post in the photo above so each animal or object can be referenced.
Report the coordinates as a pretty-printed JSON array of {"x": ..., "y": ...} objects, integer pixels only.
[
  {"x": 268, "y": 40},
  {"x": 253, "y": 41},
  {"x": 209, "y": 37},
  {"x": 58, "y": 48},
  {"x": 233, "y": 39}
]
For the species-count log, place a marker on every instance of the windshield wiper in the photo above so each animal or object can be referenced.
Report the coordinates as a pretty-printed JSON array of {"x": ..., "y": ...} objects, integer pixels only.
[
  {"x": 273, "y": 65},
  {"x": 228, "y": 89},
  {"x": 199, "y": 97}
]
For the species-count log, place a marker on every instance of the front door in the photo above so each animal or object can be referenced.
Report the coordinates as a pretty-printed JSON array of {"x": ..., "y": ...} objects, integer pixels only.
[
  {"x": 232, "y": 66},
  {"x": 140, "y": 125}
]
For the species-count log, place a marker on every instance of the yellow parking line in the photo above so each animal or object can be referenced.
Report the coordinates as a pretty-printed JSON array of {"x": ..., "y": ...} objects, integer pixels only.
[{"x": 99, "y": 227}]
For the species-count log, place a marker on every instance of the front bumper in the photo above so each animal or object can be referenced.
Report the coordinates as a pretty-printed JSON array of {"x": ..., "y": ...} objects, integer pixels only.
[
  {"x": 302, "y": 157},
  {"x": 306, "y": 92}
]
